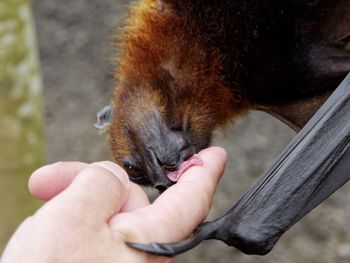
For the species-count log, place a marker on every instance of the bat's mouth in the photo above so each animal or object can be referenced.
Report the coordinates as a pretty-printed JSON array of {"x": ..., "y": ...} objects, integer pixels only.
[{"x": 175, "y": 175}]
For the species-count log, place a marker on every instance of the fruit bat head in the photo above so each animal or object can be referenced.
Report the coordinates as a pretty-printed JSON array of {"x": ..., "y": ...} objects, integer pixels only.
[{"x": 155, "y": 128}]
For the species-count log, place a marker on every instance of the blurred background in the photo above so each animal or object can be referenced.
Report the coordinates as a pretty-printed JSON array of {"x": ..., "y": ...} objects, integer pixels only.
[{"x": 55, "y": 74}]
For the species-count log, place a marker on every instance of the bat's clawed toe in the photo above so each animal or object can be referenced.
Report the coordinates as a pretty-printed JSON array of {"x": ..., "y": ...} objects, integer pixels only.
[
  {"x": 154, "y": 248},
  {"x": 203, "y": 232}
]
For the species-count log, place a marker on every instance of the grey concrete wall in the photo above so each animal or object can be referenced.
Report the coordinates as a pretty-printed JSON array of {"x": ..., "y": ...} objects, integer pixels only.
[{"x": 75, "y": 53}]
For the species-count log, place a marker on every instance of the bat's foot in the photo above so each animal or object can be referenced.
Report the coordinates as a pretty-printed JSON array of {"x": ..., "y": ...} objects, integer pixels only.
[
  {"x": 155, "y": 248},
  {"x": 203, "y": 232}
]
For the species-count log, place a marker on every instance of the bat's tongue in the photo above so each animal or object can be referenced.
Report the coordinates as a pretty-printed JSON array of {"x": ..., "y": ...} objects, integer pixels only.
[{"x": 174, "y": 176}]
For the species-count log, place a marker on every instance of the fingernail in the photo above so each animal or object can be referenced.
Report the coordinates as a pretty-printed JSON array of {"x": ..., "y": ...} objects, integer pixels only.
[{"x": 116, "y": 170}]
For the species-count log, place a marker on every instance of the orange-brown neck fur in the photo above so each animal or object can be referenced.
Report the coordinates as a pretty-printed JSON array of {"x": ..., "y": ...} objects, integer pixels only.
[
  {"x": 164, "y": 50},
  {"x": 166, "y": 66}
]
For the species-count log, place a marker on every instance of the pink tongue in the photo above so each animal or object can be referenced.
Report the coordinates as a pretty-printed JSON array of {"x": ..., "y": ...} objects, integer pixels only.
[{"x": 174, "y": 176}]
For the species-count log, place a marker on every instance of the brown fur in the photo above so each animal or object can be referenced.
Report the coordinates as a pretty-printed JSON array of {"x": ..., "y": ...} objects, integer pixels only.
[
  {"x": 188, "y": 67},
  {"x": 164, "y": 66}
]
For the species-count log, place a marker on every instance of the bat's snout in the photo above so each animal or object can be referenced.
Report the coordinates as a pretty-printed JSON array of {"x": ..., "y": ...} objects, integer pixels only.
[
  {"x": 172, "y": 150},
  {"x": 167, "y": 155}
]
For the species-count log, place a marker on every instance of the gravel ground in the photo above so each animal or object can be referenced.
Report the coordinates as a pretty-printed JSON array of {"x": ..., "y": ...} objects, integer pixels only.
[{"x": 74, "y": 43}]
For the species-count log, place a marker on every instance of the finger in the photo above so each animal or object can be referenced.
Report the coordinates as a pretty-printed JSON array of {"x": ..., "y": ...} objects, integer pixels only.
[
  {"x": 197, "y": 186},
  {"x": 97, "y": 192},
  {"x": 137, "y": 199},
  {"x": 50, "y": 180},
  {"x": 176, "y": 213}
]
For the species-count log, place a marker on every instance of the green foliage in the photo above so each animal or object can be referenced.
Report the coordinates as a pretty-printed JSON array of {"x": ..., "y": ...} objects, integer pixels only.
[{"x": 21, "y": 135}]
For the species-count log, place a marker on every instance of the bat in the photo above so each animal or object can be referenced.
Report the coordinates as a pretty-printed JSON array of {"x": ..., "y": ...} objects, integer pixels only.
[{"x": 187, "y": 68}]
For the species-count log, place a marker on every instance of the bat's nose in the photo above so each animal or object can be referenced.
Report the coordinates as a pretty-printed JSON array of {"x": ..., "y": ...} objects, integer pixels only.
[
  {"x": 167, "y": 151},
  {"x": 174, "y": 150}
]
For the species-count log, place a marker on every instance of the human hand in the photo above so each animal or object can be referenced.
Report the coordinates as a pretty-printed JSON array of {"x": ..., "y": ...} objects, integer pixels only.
[{"x": 94, "y": 209}]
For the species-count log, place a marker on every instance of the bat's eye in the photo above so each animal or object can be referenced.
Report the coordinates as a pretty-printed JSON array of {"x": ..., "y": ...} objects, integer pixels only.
[
  {"x": 128, "y": 167},
  {"x": 135, "y": 173}
]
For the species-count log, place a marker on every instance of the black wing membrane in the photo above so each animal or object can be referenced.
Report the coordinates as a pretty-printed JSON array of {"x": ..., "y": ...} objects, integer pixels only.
[{"x": 314, "y": 165}]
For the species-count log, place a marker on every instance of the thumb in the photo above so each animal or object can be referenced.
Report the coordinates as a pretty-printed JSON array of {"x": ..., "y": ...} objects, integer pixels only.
[{"x": 97, "y": 192}]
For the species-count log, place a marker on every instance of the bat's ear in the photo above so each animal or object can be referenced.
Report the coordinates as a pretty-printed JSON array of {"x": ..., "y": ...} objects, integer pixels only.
[{"x": 104, "y": 117}]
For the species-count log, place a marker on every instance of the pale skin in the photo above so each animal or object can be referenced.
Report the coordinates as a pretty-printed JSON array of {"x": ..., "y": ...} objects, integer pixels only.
[{"x": 92, "y": 209}]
